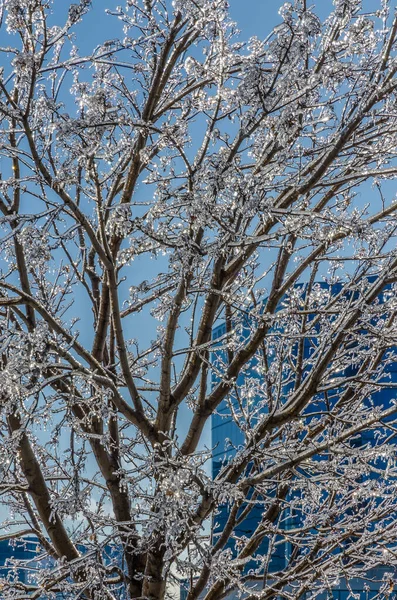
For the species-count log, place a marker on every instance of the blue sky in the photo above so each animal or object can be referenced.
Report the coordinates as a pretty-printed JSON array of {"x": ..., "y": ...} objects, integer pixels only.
[{"x": 254, "y": 17}]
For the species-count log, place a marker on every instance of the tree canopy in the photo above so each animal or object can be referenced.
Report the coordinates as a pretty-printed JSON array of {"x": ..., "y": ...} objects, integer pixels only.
[{"x": 174, "y": 179}]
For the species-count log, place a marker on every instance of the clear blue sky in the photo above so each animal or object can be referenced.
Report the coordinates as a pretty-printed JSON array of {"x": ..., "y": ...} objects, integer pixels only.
[{"x": 253, "y": 17}]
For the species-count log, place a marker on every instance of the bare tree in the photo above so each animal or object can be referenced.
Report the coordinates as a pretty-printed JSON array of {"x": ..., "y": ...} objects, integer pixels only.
[{"x": 257, "y": 176}]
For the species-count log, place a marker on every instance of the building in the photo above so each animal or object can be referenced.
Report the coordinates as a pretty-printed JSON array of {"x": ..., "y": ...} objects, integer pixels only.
[
  {"x": 18, "y": 559},
  {"x": 227, "y": 437},
  {"x": 21, "y": 559}
]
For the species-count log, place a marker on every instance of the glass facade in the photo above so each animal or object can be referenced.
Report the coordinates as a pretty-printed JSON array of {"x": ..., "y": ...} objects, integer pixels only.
[
  {"x": 21, "y": 558},
  {"x": 21, "y": 550},
  {"x": 227, "y": 439}
]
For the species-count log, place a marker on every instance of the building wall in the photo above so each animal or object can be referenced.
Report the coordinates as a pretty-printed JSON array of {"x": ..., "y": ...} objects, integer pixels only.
[{"x": 227, "y": 437}]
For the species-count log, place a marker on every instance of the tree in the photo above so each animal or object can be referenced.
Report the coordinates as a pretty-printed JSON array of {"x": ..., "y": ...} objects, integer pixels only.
[{"x": 257, "y": 176}]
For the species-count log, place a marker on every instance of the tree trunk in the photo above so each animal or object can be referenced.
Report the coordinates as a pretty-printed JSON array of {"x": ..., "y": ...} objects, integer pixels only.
[{"x": 154, "y": 583}]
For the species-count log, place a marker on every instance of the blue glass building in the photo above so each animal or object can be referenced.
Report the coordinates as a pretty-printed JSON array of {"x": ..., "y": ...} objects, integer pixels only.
[
  {"x": 228, "y": 438},
  {"x": 22, "y": 551},
  {"x": 22, "y": 557}
]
